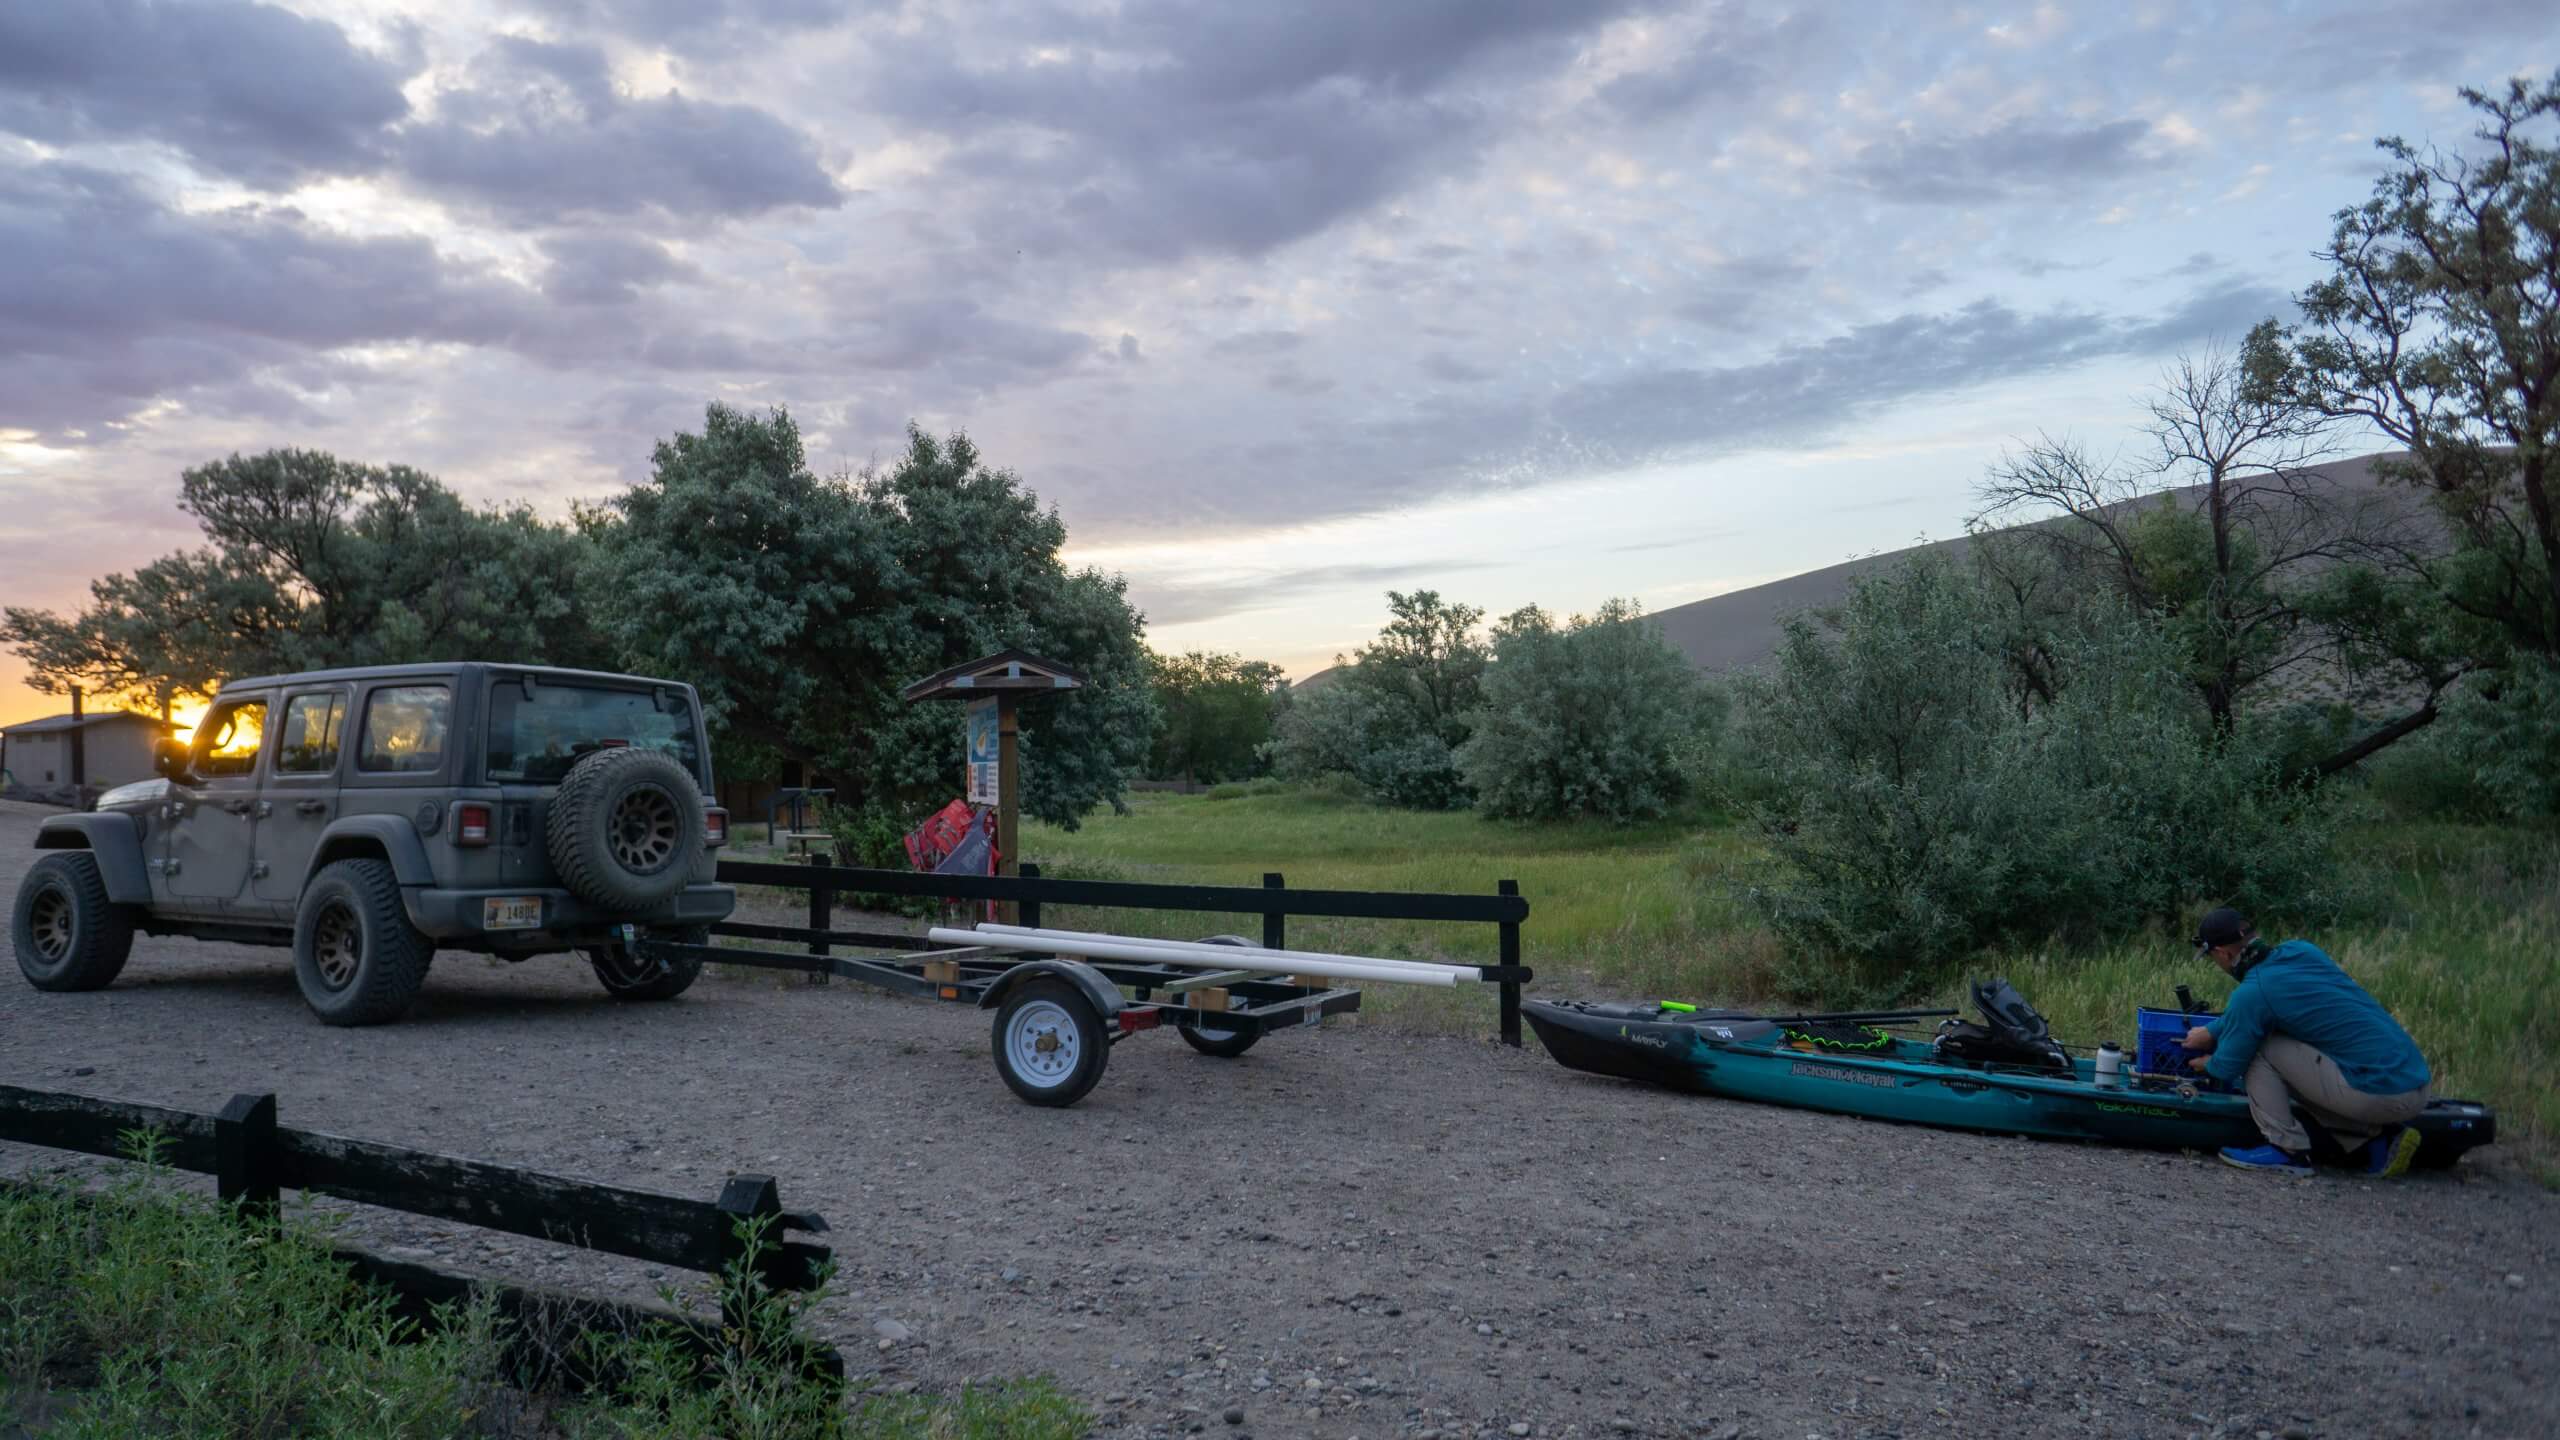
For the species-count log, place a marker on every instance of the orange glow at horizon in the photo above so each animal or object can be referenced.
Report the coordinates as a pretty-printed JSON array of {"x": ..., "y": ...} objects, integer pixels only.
[{"x": 186, "y": 715}]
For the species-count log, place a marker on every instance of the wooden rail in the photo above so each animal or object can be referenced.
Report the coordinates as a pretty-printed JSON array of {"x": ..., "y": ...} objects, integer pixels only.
[{"x": 253, "y": 1159}]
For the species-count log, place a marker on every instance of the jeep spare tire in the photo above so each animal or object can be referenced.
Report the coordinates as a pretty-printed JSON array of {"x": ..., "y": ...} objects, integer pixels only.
[{"x": 625, "y": 828}]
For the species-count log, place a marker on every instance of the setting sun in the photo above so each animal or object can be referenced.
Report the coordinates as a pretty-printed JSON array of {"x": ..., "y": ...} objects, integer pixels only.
[{"x": 185, "y": 716}]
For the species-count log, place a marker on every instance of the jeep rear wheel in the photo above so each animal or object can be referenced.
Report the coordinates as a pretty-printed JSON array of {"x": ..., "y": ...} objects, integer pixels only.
[
  {"x": 628, "y": 975},
  {"x": 356, "y": 956},
  {"x": 625, "y": 828},
  {"x": 68, "y": 934}
]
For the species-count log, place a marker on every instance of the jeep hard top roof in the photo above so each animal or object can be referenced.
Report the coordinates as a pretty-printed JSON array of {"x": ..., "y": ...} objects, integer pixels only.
[{"x": 436, "y": 669}]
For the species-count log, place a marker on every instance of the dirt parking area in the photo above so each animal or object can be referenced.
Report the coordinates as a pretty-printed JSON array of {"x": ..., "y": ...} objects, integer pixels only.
[{"x": 1357, "y": 1232}]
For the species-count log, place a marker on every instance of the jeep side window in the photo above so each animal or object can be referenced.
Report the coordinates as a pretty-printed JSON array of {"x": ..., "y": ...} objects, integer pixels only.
[
  {"x": 404, "y": 728},
  {"x": 310, "y": 743},
  {"x": 227, "y": 741}
]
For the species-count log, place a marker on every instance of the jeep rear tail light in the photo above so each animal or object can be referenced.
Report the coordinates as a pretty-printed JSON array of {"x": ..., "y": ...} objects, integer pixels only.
[
  {"x": 473, "y": 824},
  {"x": 715, "y": 826}
]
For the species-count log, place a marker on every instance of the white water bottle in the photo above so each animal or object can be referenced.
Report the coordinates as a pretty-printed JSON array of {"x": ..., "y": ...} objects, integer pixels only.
[{"x": 2110, "y": 1066}]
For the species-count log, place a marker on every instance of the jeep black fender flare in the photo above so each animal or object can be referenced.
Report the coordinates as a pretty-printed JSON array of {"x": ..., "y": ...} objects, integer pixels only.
[
  {"x": 114, "y": 840},
  {"x": 389, "y": 837},
  {"x": 1106, "y": 997}
]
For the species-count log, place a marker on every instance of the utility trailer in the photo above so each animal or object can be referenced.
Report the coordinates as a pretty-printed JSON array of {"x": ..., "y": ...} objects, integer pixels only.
[{"x": 1056, "y": 1016}]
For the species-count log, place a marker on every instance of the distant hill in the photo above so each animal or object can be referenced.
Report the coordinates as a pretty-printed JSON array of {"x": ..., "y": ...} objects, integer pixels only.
[{"x": 1739, "y": 629}]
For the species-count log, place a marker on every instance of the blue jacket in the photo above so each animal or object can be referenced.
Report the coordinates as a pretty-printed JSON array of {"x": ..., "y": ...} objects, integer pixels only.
[{"x": 2297, "y": 990}]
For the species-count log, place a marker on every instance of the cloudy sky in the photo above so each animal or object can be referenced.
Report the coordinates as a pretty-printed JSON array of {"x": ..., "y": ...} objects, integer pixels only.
[{"x": 1282, "y": 304}]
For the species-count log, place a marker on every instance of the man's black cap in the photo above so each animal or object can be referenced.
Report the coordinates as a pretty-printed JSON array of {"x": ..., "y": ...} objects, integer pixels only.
[{"x": 2225, "y": 926}]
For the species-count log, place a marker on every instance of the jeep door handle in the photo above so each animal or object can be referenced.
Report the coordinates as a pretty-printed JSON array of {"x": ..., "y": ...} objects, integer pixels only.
[
  {"x": 311, "y": 807},
  {"x": 236, "y": 807}
]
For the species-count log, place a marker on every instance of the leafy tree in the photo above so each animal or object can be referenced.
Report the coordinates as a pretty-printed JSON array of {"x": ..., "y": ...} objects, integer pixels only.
[
  {"x": 803, "y": 605},
  {"x": 1924, "y": 800},
  {"x": 315, "y": 561},
  {"x": 1591, "y": 718},
  {"x": 2439, "y": 326},
  {"x": 2244, "y": 572},
  {"x": 1393, "y": 715},
  {"x": 1213, "y": 714},
  {"x": 1429, "y": 658}
]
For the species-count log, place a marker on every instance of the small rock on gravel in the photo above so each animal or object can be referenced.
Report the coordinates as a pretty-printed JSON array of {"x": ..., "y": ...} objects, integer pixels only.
[
  {"x": 1234, "y": 1415},
  {"x": 2515, "y": 1282},
  {"x": 891, "y": 1332},
  {"x": 1519, "y": 1427}
]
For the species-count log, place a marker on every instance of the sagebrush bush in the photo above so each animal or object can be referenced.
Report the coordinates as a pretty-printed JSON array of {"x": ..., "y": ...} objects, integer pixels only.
[
  {"x": 1588, "y": 719},
  {"x": 2506, "y": 729},
  {"x": 1362, "y": 731},
  {"x": 1925, "y": 801}
]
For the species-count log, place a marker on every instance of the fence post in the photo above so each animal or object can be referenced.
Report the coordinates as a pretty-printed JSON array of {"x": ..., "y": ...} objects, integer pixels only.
[
  {"x": 822, "y": 911},
  {"x": 1275, "y": 925},
  {"x": 245, "y": 1157},
  {"x": 1029, "y": 905},
  {"x": 744, "y": 1198},
  {"x": 1510, "y": 957}
]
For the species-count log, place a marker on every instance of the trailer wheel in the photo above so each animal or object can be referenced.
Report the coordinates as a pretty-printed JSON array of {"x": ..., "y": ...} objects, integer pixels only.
[
  {"x": 1050, "y": 1043},
  {"x": 1210, "y": 1040}
]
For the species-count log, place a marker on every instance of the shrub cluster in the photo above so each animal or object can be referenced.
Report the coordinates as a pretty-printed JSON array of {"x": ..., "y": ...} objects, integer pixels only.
[
  {"x": 1924, "y": 799},
  {"x": 1595, "y": 717}
]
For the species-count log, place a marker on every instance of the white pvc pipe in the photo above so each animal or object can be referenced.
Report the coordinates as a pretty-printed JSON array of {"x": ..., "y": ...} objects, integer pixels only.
[
  {"x": 1230, "y": 958},
  {"x": 1029, "y": 932}
]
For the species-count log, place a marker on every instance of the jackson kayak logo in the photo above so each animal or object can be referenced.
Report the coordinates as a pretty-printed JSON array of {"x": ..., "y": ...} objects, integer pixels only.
[
  {"x": 2113, "y": 1108},
  {"x": 1833, "y": 1072},
  {"x": 1656, "y": 1041}
]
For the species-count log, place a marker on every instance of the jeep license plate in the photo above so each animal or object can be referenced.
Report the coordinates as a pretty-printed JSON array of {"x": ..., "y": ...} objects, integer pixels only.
[{"x": 521, "y": 912}]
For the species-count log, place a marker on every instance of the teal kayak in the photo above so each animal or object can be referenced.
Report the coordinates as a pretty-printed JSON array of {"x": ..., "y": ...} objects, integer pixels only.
[{"x": 1741, "y": 1056}]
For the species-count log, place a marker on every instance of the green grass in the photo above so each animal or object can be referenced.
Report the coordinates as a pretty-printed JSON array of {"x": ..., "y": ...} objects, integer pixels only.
[
  {"x": 2459, "y": 940},
  {"x": 139, "y": 1311}
]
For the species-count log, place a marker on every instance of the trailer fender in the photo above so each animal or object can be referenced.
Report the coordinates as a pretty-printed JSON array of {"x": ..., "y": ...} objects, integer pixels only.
[
  {"x": 115, "y": 841},
  {"x": 1106, "y": 997}
]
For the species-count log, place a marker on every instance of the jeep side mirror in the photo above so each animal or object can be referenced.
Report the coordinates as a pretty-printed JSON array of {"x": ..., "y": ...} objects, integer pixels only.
[{"x": 169, "y": 758}]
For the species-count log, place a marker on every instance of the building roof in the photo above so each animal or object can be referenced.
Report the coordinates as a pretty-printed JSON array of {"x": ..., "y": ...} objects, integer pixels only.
[
  {"x": 56, "y": 724},
  {"x": 1014, "y": 670}
]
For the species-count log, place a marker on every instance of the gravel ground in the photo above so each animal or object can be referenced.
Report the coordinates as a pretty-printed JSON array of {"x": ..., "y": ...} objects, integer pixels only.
[{"x": 1358, "y": 1232}]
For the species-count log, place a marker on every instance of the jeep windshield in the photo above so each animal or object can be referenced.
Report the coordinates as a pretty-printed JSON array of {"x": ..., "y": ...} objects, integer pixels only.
[{"x": 536, "y": 734}]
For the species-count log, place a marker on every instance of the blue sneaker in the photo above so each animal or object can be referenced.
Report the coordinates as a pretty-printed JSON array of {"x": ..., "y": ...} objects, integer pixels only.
[
  {"x": 2387, "y": 1155},
  {"x": 2266, "y": 1158}
]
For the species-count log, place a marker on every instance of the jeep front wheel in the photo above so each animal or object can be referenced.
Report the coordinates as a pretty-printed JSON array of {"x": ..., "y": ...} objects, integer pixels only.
[
  {"x": 628, "y": 975},
  {"x": 68, "y": 934},
  {"x": 356, "y": 956}
]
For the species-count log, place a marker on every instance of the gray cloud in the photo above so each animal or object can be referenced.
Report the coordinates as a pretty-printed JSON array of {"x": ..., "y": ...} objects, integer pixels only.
[
  {"x": 1174, "y": 602},
  {"x": 251, "y": 91},
  {"x": 541, "y": 135},
  {"x": 1235, "y": 129},
  {"x": 692, "y": 20},
  {"x": 2015, "y": 158},
  {"x": 1737, "y": 294},
  {"x": 1738, "y": 57},
  {"x": 607, "y": 268},
  {"x": 1806, "y": 393},
  {"x": 199, "y": 304}
]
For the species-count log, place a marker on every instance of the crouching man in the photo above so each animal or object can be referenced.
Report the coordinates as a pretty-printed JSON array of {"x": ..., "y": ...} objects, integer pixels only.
[{"x": 2300, "y": 1031}]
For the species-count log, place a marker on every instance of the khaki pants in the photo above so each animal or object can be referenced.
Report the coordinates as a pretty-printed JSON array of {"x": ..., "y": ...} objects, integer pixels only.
[{"x": 2287, "y": 1073}]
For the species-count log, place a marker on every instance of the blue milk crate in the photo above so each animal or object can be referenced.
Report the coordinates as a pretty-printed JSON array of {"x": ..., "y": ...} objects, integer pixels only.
[{"x": 2159, "y": 1046}]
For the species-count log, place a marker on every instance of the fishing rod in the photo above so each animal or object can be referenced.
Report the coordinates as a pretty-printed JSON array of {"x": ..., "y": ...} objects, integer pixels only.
[{"x": 1841, "y": 1016}]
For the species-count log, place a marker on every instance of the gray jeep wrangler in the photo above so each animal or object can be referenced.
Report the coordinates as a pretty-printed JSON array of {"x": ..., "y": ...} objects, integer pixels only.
[{"x": 368, "y": 818}]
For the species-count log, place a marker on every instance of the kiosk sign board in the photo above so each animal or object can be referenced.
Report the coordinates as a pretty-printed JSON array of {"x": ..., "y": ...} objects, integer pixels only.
[{"x": 982, "y": 751}]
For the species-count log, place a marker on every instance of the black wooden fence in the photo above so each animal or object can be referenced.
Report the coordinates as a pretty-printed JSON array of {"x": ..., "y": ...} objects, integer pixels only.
[
  {"x": 1273, "y": 900},
  {"x": 252, "y": 1159}
]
